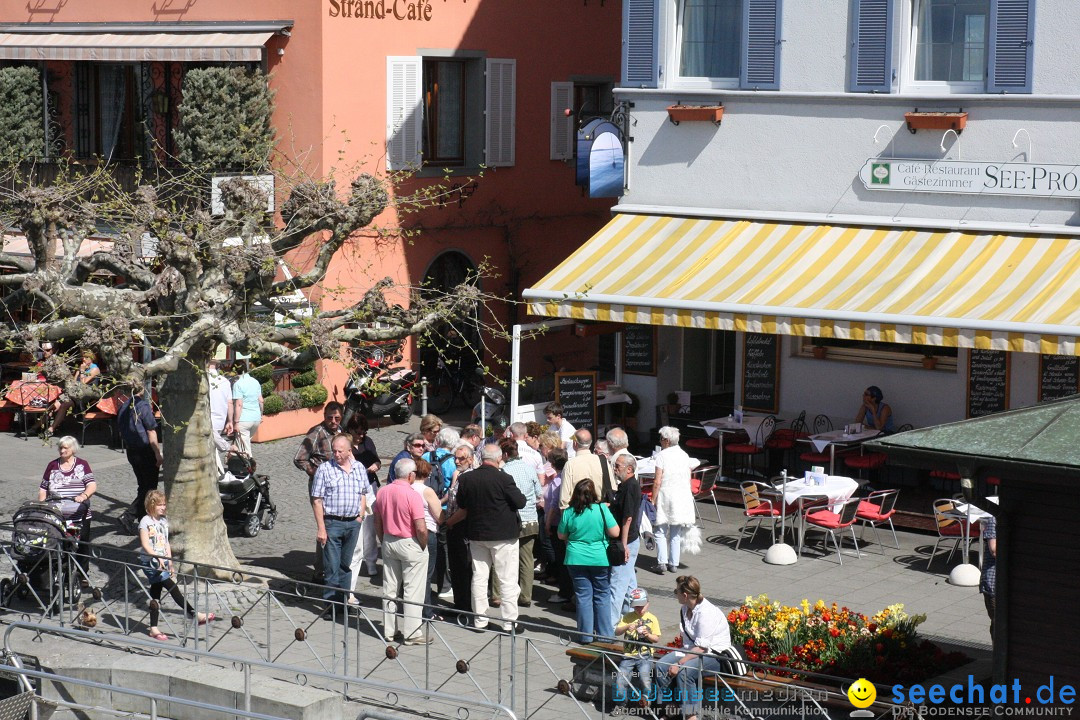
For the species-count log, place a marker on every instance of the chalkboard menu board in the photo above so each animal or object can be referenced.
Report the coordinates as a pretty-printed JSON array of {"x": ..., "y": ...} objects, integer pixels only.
[
  {"x": 1059, "y": 376},
  {"x": 988, "y": 382},
  {"x": 761, "y": 372},
  {"x": 639, "y": 350},
  {"x": 576, "y": 392}
]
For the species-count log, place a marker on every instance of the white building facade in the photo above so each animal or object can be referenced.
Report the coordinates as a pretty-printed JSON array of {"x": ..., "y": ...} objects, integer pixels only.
[{"x": 812, "y": 210}]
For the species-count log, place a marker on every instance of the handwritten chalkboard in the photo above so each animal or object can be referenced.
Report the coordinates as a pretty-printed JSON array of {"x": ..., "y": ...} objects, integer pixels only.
[
  {"x": 639, "y": 350},
  {"x": 576, "y": 392},
  {"x": 761, "y": 372},
  {"x": 988, "y": 382},
  {"x": 1059, "y": 376}
]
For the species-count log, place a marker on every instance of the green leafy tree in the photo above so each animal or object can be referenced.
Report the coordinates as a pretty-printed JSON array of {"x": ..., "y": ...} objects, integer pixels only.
[
  {"x": 22, "y": 132},
  {"x": 225, "y": 119}
]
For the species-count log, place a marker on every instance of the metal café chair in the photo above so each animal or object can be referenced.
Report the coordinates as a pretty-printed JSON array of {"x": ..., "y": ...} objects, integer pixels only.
[
  {"x": 833, "y": 525},
  {"x": 949, "y": 527},
  {"x": 879, "y": 507}
]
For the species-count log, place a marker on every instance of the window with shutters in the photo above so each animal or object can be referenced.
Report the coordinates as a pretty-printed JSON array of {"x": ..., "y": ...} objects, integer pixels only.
[
  {"x": 726, "y": 44},
  {"x": 573, "y": 104},
  {"x": 450, "y": 112},
  {"x": 948, "y": 46}
]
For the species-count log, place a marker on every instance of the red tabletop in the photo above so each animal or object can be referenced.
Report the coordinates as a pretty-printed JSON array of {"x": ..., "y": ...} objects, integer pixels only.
[{"x": 25, "y": 393}]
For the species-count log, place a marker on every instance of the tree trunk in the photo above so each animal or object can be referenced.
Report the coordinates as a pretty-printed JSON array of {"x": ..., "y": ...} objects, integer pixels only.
[{"x": 198, "y": 531}]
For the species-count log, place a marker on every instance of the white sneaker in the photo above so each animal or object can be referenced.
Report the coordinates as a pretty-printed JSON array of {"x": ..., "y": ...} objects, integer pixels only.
[
  {"x": 448, "y": 595},
  {"x": 558, "y": 599}
]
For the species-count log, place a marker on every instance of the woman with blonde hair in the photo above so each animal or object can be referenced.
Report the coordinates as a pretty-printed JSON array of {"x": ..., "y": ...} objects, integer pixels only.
[{"x": 704, "y": 632}]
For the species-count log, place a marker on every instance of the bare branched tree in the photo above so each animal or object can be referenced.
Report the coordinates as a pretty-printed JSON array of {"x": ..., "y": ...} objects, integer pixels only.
[{"x": 158, "y": 269}]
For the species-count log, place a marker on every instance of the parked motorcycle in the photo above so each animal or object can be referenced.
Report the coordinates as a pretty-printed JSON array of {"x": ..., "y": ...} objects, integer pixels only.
[
  {"x": 492, "y": 410},
  {"x": 377, "y": 389}
]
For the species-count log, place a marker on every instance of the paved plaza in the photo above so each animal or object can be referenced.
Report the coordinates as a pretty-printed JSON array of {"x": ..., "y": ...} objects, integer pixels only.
[{"x": 955, "y": 615}]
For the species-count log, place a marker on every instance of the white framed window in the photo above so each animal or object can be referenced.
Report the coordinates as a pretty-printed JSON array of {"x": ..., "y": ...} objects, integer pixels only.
[
  {"x": 947, "y": 48},
  {"x": 450, "y": 112},
  {"x": 708, "y": 43}
]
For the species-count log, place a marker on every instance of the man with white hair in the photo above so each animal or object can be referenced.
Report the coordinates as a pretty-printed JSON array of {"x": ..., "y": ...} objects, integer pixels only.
[
  {"x": 618, "y": 442},
  {"x": 526, "y": 452},
  {"x": 489, "y": 499},
  {"x": 585, "y": 466},
  {"x": 626, "y": 510}
]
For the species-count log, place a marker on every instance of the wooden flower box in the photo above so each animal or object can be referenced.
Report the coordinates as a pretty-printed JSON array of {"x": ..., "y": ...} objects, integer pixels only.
[
  {"x": 936, "y": 121},
  {"x": 695, "y": 113}
]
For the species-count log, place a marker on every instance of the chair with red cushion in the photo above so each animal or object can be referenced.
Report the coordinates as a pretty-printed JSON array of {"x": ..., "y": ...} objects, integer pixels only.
[
  {"x": 949, "y": 528},
  {"x": 744, "y": 453},
  {"x": 879, "y": 507},
  {"x": 702, "y": 447},
  {"x": 833, "y": 525},
  {"x": 762, "y": 503},
  {"x": 783, "y": 439}
]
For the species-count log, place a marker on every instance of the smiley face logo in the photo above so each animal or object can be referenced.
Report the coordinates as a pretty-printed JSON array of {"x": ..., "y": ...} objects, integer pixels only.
[{"x": 862, "y": 693}]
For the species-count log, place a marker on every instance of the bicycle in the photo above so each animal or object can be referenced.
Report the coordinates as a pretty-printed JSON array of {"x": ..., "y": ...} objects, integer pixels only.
[{"x": 453, "y": 383}]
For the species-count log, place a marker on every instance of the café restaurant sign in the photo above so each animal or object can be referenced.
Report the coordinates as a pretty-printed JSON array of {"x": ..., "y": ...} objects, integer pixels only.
[
  {"x": 418, "y": 10},
  {"x": 974, "y": 178}
]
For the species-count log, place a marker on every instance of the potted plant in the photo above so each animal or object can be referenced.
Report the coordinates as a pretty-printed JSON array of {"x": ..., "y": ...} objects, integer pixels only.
[
  {"x": 819, "y": 350},
  {"x": 929, "y": 361},
  {"x": 695, "y": 113}
]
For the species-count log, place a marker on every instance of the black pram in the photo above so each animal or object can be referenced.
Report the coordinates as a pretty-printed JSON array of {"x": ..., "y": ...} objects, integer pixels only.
[
  {"x": 245, "y": 496},
  {"x": 43, "y": 540}
]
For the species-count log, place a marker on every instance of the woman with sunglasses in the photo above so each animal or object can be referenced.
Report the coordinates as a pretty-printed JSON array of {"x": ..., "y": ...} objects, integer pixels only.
[{"x": 874, "y": 413}]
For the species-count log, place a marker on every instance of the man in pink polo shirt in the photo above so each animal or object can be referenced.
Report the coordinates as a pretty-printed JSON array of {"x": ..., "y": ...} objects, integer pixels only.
[{"x": 399, "y": 526}]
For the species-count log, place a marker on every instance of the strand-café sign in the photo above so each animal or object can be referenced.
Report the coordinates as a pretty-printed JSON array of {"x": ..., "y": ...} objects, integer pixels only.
[
  {"x": 419, "y": 10},
  {"x": 973, "y": 178}
]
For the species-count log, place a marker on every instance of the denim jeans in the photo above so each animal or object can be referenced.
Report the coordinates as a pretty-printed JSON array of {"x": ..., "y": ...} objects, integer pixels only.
[
  {"x": 592, "y": 588},
  {"x": 623, "y": 580},
  {"x": 640, "y": 666},
  {"x": 688, "y": 681},
  {"x": 668, "y": 535},
  {"x": 341, "y": 536}
]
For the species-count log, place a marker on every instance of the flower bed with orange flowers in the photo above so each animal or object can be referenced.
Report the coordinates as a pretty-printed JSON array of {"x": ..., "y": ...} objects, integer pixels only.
[{"x": 838, "y": 641}]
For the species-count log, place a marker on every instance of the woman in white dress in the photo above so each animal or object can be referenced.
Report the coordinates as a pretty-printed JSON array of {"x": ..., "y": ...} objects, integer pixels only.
[{"x": 674, "y": 500}]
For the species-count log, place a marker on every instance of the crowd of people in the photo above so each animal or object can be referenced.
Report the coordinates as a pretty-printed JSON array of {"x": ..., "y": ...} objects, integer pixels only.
[{"x": 472, "y": 522}]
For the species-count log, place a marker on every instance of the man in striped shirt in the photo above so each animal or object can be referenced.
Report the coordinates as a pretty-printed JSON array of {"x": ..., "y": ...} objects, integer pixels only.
[{"x": 337, "y": 499}]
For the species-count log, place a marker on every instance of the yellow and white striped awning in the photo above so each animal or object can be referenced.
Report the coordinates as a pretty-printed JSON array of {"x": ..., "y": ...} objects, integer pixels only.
[{"x": 927, "y": 287}]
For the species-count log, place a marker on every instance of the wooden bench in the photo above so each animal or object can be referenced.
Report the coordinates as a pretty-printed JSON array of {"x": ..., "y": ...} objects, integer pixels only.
[{"x": 594, "y": 667}]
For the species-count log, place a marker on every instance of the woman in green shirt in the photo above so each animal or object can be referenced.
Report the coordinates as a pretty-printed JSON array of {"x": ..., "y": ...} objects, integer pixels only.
[{"x": 585, "y": 527}]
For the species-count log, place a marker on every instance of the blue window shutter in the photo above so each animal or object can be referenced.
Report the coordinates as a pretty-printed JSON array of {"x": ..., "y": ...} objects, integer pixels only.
[
  {"x": 1012, "y": 33},
  {"x": 639, "y": 60},
  {"x": 871, "y": 46},
  {"x": 760, "y": 68}
]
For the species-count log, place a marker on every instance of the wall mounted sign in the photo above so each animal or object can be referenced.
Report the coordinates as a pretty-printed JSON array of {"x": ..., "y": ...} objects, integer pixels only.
[
  {"x": 761, "y": 372},
  {"x": 1059, "y": 376},
  {"x": 972, "y": 178},
  {"x": 639, "y": 350},
  {"x": 417, "y": 10},
  {"x": 576, "y": 392},
  {"x": 600, "y": 159},
  {"x": 988, "y": 382}
]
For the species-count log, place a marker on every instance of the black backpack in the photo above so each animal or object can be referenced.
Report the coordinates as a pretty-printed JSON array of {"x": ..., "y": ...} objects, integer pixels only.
[{"x": 437, "y": 479}]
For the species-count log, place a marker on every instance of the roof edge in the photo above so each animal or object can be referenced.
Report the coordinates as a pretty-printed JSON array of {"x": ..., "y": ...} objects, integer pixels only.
[{"x": 134, "y": 28}]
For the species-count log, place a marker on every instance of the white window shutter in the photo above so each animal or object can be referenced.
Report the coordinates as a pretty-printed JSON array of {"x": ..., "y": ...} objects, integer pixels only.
[
  {"x": 404, "y": 112},
  {"x": 499, "y": 115},
  {"x": 562, "y": 124}
]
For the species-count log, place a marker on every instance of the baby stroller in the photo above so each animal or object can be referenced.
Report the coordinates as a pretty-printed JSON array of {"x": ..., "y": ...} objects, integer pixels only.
[
  {"x": 245, "y": 496},
  {"x": 44, "y": 536}
]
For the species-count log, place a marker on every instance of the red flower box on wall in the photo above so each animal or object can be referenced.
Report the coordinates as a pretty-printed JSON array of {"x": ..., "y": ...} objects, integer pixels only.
[
  {"x": 936, "y": 121},
  {"x": 695, "y": 113}
]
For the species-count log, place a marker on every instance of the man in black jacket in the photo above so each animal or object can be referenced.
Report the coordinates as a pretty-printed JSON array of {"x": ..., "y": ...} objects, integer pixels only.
[{"x": 489, "y": 500}]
